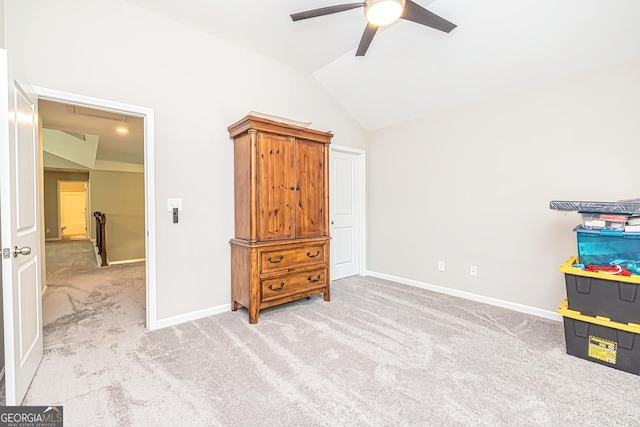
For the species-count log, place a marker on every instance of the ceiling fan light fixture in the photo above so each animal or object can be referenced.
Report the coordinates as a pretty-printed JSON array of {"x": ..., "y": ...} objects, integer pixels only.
[{"x": 383, "y": 12}]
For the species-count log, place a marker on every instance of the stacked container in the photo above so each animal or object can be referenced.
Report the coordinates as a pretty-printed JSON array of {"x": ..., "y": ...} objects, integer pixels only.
[{"x": 601, "y": 313}]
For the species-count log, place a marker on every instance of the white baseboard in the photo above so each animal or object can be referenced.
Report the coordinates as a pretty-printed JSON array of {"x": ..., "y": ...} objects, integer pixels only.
[
  {"x": 182, "y": 318},
  {"x": 126, "y": 261},
  {"x": 194, "y": 315},
  {"x": 470, "y": 296},
  {"x": 44, "y": 290},
  {"x": 52, "y": 239}
]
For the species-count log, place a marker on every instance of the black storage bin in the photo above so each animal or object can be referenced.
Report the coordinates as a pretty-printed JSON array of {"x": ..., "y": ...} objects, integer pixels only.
[
  {"x": 601, "y": 341},
  {"x": 595, "y": 294}
]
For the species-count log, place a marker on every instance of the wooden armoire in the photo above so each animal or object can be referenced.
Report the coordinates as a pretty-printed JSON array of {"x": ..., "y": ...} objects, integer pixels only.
[{"x": 280, "y": 252}]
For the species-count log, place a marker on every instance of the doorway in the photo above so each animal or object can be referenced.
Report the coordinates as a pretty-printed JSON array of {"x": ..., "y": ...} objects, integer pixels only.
[
  {"x": 73, "y": 208},
  {"x": 348, "y": 215},
  {"x": 147, "y": 115}
]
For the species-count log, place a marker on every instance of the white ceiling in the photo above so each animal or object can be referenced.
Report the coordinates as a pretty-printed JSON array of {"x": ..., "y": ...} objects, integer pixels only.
[
  {"x": 79, "y": 121},
  {"x": 409, "y": 71}
]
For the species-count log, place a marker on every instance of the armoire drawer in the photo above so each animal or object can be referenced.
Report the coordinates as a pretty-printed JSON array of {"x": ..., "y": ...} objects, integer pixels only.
[
  {"x": 291, "y": 257},
  {"x": 293, "y": 283}
]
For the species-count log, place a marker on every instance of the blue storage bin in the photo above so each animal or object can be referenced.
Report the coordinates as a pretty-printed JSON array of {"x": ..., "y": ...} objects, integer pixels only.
[{"x": 605, "y": 247}]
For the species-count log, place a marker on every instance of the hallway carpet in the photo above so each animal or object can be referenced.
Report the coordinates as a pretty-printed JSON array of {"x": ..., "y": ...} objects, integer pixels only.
[{"x": 378, "y": 354}]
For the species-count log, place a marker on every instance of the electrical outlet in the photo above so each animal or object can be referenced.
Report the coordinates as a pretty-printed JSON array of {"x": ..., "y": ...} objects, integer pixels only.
[
  {"x": 473, "y": 270},
  {"x": 440, "y": 265}
]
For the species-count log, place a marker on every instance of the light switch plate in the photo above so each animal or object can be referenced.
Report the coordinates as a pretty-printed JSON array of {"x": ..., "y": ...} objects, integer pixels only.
[{"x": 174, "y": 203}]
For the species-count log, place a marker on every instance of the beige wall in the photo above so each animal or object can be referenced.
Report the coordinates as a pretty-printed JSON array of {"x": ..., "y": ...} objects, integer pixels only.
[
  {"x": 51, "y": 179},
  {"x": 472, "y": 186},
  {"x": 120, "y": 195},
  {"x": 197, "y": 86},
  {"x": 2, "y": 38}
]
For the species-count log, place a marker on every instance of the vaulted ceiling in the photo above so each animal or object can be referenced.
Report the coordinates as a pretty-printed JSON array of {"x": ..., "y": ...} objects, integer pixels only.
[{"x": 410, "y": 71}]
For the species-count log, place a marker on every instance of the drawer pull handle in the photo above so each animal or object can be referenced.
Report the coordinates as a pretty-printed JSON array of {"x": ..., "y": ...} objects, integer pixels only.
[
  {"x": 313, "y": 256},
  {"x": 313, "y": 280},
  {"x": 276, "y": 289},
  {"x": 275, "y": 261}
]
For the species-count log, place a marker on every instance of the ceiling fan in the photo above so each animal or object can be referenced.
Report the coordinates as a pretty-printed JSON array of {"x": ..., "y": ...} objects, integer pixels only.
[{"x": 382, "y": 12}]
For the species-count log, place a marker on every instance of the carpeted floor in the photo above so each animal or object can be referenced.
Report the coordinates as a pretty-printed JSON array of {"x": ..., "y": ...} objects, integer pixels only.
[{"x": 378, "y": 354}]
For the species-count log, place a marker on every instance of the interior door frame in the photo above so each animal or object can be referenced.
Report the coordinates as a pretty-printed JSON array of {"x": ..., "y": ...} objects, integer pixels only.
[
  {"x": 87, "y": 206},
  {"x": 147, "y": 114},
  {"x": 361, "y": 202}
]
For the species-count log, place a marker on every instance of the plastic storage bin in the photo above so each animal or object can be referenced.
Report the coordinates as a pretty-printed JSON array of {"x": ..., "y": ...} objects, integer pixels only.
[
  {"x": 596, "y": 294},
  {"x": 603, "y": 221},
  {"x": 604, "y": 247},
  {"x": 602, "y": 341}
]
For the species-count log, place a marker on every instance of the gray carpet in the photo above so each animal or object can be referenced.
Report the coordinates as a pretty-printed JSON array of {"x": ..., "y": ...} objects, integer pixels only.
[{"x": 379, "y": 354}]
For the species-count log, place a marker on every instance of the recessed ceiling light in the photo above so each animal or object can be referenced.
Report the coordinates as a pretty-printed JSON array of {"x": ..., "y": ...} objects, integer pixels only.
[{"x": 122, "y": 130}]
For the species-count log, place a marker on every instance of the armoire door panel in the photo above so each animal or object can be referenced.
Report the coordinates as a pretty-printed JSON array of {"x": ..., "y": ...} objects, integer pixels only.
[
  {"x": 310, "y": 196},
  {"x": 275, "y": 181}
]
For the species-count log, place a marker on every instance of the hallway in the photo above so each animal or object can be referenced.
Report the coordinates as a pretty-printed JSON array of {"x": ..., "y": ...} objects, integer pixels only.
[
  {"x": 88, "y": 312},
  {"x": 79, "y": 291}
]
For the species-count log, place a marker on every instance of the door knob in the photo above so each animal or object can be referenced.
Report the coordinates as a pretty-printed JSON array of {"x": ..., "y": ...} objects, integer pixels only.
[
  {"x": 25, "y": 250},
  {"x": 331, "y": 222}
]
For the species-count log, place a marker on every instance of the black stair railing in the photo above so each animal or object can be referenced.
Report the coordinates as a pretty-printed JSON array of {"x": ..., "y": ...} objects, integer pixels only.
[{"x": 101, "y": 243}]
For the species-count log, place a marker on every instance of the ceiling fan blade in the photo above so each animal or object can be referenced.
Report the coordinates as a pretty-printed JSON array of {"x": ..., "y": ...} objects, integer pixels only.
[
  {"x": 325, "y": 11},
  {"x": 418, "y": 14},
  {"x": 365, "y": 41}
]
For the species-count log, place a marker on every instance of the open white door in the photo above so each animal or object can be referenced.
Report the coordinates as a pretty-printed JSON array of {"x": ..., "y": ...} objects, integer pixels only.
[{"x": 20, "y": 232}]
